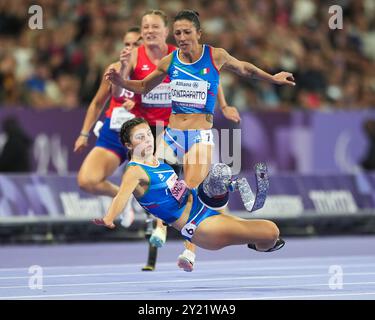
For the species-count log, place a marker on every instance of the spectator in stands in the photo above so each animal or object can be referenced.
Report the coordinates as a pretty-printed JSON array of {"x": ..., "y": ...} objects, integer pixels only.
[
  {"x": 81, "y": 40},
  {"x": 15, "y": 154}
]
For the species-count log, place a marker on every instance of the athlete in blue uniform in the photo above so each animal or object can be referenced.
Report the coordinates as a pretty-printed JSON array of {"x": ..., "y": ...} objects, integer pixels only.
[
  {"x": 159, "y": 191},
  {"x": 194, "y": 71}
]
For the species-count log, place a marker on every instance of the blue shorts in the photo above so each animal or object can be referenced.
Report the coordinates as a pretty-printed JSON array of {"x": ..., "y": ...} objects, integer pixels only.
[
  {"x": 180, "y": 141},
  {"x": 198, "y": 213},
  {"x": 109, "y": 139}
]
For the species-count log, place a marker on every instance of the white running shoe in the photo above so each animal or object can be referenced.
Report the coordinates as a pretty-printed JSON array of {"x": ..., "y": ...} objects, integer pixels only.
[
  {"x": 186, "y": 260},
  {"x": 127, "y": 217},
  {"x": 98, "y": 126},
  {"x": 158, "y": 237},
  {"x": 137, "y": 207}
]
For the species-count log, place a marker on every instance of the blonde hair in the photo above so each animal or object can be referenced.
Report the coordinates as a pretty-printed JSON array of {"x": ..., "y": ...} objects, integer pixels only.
[{"x": 159, "y": 13}]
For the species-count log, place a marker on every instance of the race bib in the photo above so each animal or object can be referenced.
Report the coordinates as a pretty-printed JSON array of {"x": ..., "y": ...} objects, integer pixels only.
[
  {"x": 189, "y": 93},
  {"x": 206, "y": 137},
  {"x": 119, "y": 116},
  {"x": 159, "y": 97},
  {"x": 127, "y": 94},
  {"x": 178, "y": 188},
  {"x": 188, "y": 230}
]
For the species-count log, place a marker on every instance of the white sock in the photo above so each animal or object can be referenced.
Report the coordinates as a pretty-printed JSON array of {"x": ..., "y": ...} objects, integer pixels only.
[{"x": 188, "y": 254}]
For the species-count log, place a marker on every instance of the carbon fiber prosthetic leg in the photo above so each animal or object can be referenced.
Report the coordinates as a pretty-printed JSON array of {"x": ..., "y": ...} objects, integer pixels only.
[{"x": 219, "y": 181}]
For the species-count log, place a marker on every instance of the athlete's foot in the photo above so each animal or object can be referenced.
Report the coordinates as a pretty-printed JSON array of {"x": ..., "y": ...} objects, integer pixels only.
[
  {"x": 247, "y": 195},
  {"x": 186, "y": 260},
  {"x": 148, "y": 268},
  {"x": 158, "y": 237},
  {"x": 217, "y": 181},
  {"x": 252, "y": 202},
  {"x": 278, "y": 245},
  {"x": 101, "y": 222}
]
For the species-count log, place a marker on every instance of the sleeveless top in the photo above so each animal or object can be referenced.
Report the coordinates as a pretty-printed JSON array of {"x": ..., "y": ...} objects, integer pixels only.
[
  {"x": 194, "y": 85},
  {"x": 161, "y": 197},
  {"x": 155, "y": 105}
]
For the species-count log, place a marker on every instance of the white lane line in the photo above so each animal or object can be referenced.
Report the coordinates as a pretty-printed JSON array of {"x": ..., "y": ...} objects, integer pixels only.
[
  {"x": 173, "y": 281},
  {"x": 178, "y": 272},
  {"x": 316, "y": 296},
  {"x": 215, "y": 289},
  {"x": 288, "y": 260}
]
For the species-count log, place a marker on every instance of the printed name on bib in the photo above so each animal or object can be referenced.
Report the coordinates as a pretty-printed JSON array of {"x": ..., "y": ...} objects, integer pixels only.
[
  {"x": 178, "y": 188},
  {"x": 119, "y": 116},
  {"x": 159, "y": 97},
  {"x": 189, "y": 93}
]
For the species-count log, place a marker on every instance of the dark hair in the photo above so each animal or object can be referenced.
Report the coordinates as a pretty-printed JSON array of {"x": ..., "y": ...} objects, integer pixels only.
[
  {"x": 189, "y": 15},
  {"x": 136, "y": 29},
  {"x": 126, "y": 129},
  {"x": 159, "y": 13}
]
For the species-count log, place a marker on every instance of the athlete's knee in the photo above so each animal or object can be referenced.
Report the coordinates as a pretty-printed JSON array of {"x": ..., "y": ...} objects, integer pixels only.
[
  {"x": 271, "y": 231},
  {"x": 86, "y": 183}
]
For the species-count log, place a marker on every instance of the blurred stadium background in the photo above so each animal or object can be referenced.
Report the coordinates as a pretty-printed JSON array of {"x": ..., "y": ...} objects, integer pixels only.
[{"x": 317, "y": 138}]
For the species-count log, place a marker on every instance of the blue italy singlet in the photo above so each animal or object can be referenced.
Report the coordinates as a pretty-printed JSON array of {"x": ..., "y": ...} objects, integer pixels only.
[
  {"x": 158, "y": 198},
  {"x": 194, "y": 85}
]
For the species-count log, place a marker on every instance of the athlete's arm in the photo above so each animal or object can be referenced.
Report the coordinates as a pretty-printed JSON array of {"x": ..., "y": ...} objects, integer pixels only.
[
  {"x": 245, "y": 69},
  {"x": 93, "y": 112},
  {"x": 145, "y": 85},
  {"x": 229, "y": 112},
  {"x": 128, "y": 61},
  {"x": 130, "y": 180}
]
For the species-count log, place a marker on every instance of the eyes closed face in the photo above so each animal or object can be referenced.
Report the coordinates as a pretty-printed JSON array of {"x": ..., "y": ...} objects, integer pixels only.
[
  {"x": 186, "y": 35},
  {"x": 142, "y": 141}
]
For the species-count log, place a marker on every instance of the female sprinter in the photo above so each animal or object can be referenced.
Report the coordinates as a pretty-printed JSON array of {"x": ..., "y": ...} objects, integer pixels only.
[
  {"x": 194, "y": 73},
  {"x": 157, "y": 189}
]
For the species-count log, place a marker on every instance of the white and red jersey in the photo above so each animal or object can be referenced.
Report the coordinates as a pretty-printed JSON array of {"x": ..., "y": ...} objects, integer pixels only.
[
  {"x": 156, "y": 105},
  {"x": 118, "y": 102}
]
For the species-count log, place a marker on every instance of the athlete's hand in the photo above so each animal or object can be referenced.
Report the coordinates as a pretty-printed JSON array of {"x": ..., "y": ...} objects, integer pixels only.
[
  {"x": 284, "y": 78},
  {"x": 115, "y": 77},
  {"x": 80, "y": 144},
  {"x": 125, "y": 57},
  {"x": 231, "y": 113},
  {"x": 101, "y": 222},
  {"x": 128, "y": 104}
]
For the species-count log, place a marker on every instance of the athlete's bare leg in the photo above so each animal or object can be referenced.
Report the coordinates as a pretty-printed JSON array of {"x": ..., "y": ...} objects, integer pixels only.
[
  {"x": 96, "y": 168},
  {"x": 197, "y": 163},
  {"x": 223, "y": 230}
]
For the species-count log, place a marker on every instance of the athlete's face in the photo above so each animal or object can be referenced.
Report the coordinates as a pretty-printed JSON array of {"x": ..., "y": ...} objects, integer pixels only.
[
  {"x": 142, "y": 141},
  {"x": 153, "y": 30},
  {"x": 186, "y": 35},
  {"x": 132, "y": 40}
]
